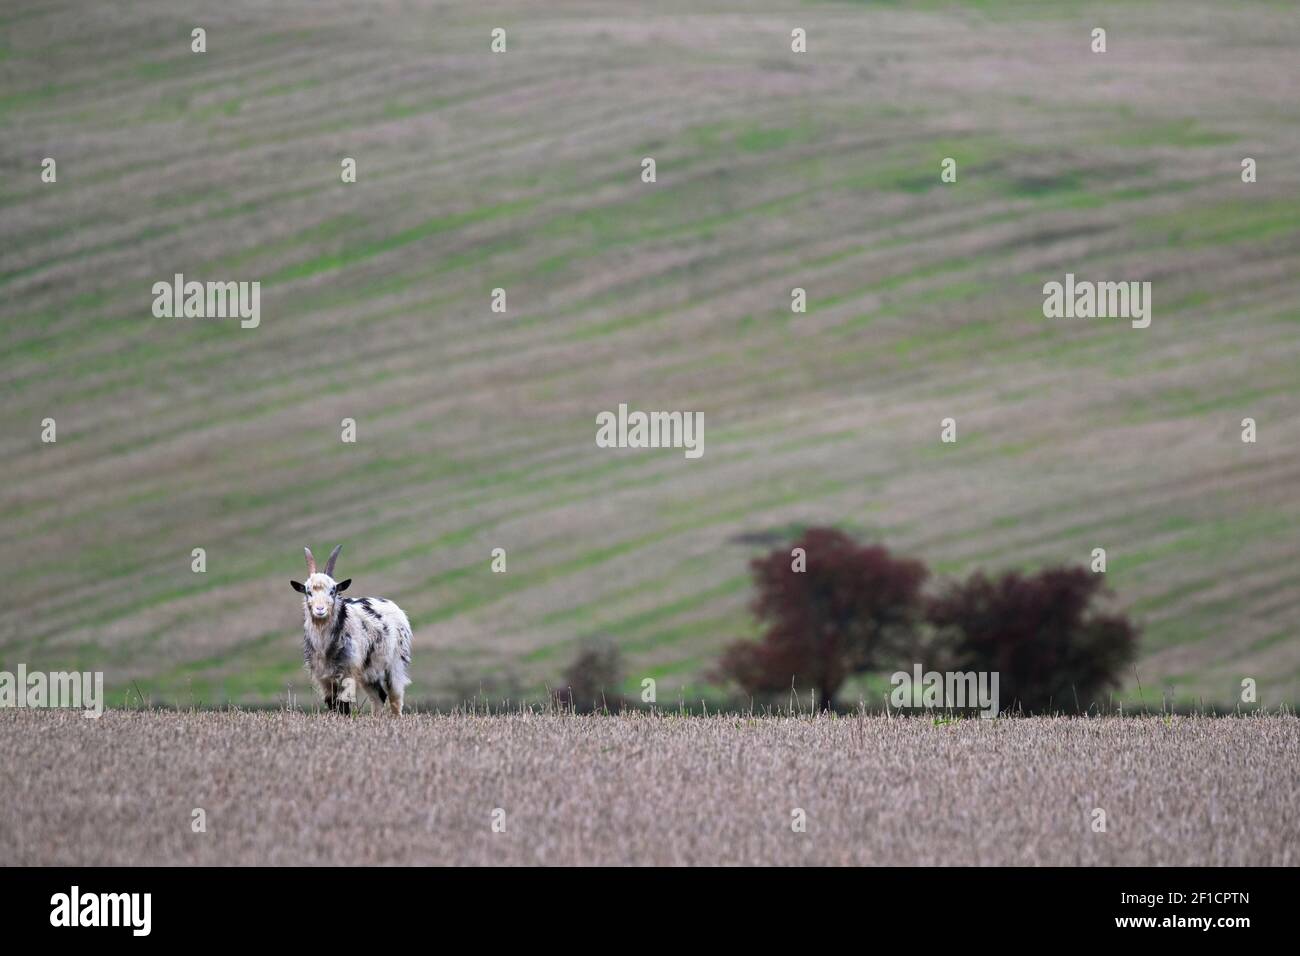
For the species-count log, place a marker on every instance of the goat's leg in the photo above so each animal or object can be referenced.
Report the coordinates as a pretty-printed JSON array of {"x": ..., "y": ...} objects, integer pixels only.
[
  {"x": 333, "y": 701},
  {"x": 391, "y": 691},
  {"x": 378, "y": 696}
]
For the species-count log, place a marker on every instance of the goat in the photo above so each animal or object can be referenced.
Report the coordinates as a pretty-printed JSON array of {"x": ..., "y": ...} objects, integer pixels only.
[{"x": 352, "y": 642}]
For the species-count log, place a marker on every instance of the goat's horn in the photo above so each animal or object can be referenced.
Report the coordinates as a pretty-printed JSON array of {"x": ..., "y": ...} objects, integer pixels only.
[
  {"x": 311, "y": 562},
  {"x": 329, "y": 565}
]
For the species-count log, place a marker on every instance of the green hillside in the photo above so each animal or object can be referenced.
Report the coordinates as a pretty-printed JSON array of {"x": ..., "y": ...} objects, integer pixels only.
[{"x": 522, "y": 171}]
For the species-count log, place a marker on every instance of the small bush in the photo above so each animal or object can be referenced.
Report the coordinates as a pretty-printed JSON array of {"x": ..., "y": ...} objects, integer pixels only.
[{"x": 591, "y": 681}]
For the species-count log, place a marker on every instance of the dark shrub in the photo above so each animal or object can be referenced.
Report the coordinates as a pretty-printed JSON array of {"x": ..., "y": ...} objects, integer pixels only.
[
  {"x": 1040, "y": 632},
  {"x": 852, "y": 604},
  {"x": 592, "y": 681}
]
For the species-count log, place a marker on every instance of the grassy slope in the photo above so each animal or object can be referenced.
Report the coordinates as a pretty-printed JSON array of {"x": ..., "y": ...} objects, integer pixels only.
[{"x": 521, "y": 171}]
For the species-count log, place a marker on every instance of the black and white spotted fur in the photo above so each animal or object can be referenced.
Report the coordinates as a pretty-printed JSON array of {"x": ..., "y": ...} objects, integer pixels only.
[{"x": 352, "y": 643}]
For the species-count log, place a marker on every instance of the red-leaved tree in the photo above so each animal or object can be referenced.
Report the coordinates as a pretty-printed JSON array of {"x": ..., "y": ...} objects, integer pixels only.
[
  {"x": 833, "y": 619},
  {"x": 1050, "y": 646}
]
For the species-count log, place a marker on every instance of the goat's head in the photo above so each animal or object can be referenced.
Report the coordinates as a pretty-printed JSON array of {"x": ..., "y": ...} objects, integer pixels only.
[{"x": 320, "y": 591}]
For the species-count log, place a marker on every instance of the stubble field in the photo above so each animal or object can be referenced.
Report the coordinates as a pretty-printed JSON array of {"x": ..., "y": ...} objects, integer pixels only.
[{"x": 295, "y": 788}]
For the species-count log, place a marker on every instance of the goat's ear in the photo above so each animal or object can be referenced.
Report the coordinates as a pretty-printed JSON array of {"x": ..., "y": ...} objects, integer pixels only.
[
  {"x": 297, "y": 586},
  {"x": 342, "y": 585}
]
